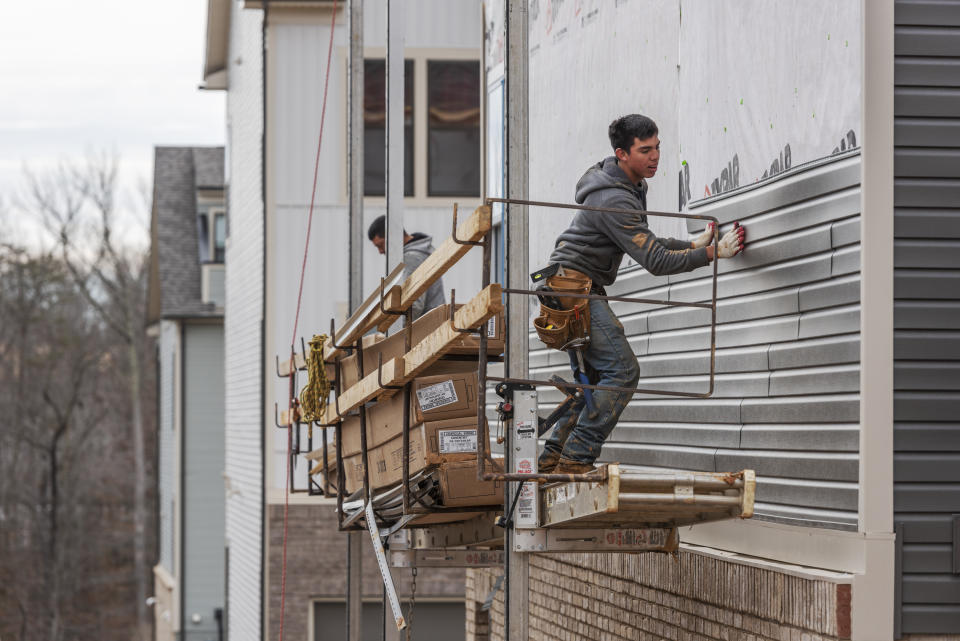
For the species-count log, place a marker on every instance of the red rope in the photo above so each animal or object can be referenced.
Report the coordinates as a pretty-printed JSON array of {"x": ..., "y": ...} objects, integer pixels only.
[{"x": 296, "y": 321}]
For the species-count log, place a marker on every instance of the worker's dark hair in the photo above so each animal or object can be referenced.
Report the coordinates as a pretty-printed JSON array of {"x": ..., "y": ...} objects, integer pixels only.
[
  {"x": 623, "y": 130},
  {"x": 378, "y": 228}
]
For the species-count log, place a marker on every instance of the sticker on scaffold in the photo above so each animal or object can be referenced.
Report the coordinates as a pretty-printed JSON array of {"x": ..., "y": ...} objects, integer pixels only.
[
  {"x": 433, "y": 396},
  {"x": 638, "y": 537},
  {"x": 492, "y": 327},
  {"x": 526, "y": 504},
  {"x": 456, "y": 441},
  {"x": 525, "y": 432}
]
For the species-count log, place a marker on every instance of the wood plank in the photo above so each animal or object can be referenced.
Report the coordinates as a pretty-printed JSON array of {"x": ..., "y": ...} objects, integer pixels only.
[
  {"x": 284, "y": 368},
  {"x": 288, "y": 417},
  {"x": 399, "y": 297},
  {"x": 436, "y": 265},
  {"x": 480, "y": 308},
  {"x": 398, "y": 371},
  {"x": 366, "y": 316}
]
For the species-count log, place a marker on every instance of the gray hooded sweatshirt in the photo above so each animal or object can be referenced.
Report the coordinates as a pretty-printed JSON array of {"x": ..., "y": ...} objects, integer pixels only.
[
  {"x": 595, "y": 242},
  {"x": 414, "y": 253}
]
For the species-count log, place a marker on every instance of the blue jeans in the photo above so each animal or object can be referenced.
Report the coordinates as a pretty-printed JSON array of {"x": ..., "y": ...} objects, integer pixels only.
[{"x": 579, "y": 436}]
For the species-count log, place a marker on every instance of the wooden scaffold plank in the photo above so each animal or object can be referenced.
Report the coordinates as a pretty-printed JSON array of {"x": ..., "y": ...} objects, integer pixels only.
[{"x": 398, "y": 371}]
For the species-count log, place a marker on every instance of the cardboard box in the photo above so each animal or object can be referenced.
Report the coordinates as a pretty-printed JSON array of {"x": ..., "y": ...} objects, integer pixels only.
[
  {"x": 384, "y": 422},
  {"x": 446, "y": 396},
  {"x": 452, "y": 440},
  {"x": 385, "y": 462},
  {"x": 385, "y": 416},
  {"x": 348, "y": 364},
  {"x": 459, "y": 486},
  {"x": 353, "y": 471}
]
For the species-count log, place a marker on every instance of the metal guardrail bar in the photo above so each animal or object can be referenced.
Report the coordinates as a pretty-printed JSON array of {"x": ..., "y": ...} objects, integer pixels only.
[{"x": 483, "y": 432}]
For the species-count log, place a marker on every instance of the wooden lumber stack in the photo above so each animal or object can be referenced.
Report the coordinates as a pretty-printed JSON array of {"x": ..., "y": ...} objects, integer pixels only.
[{"x": 396, "y": 295}]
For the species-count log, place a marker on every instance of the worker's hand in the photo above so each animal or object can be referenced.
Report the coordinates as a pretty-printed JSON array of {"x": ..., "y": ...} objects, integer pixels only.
[
  {"x": 703, "y": 239},
  {"x": 733, "y": 242}
]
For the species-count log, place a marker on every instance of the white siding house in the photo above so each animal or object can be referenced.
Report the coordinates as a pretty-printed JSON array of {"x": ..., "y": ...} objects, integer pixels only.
[{"x": 273, "y": 121}]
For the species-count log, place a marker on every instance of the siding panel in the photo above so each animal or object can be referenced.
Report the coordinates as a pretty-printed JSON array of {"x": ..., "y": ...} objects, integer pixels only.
[
  {"x": 242, "y": 332},
  {"x": 786, "y": 399}
]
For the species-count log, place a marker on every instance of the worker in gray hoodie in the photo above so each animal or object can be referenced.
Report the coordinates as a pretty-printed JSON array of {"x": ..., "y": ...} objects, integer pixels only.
[
  {"x": 416, "y": 248},
  {"x": 590, "y": 252}
]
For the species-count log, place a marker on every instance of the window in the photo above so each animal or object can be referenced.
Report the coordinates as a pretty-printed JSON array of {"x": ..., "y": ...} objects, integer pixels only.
[
  {"x": 375, "y": 127},
  {"x": 453, "y": 104},
  {"x": 211, "y": 230},
  {"x": 203, "y": 238},
  {"x": 442, "y": 133},
  {"x": 219, "y": 237}
]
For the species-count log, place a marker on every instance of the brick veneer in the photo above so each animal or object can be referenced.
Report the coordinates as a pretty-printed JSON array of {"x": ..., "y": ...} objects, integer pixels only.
[
  {"x": 317, "y": 568},
  {"x": 614, "y": 597}
]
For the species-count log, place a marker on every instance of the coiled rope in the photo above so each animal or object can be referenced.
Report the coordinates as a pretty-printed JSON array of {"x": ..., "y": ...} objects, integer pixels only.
[{"x": 314, "y": 395}]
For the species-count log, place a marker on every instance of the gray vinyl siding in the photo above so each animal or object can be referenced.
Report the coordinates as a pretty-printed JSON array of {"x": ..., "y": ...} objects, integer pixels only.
[
  {"x": 243, "y": 317},
  {"x": 202, "y": 459},
  {"x": 786, "y": 399},
  {"x": 167, "y": 441},
  {"x": 927, "y": 312}
]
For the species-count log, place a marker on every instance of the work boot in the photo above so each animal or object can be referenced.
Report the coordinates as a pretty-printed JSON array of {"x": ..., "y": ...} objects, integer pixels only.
[
  {"x": 547, "y": 462},
  {"x": 569, "y": 466}
]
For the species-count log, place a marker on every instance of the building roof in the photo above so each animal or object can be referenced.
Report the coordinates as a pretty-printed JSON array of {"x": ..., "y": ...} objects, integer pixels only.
[{"x": 175, "y": 272}]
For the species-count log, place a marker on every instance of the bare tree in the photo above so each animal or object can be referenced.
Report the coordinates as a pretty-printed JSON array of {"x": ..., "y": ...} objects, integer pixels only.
[
  {"x": 54, "y": 352},
  {"x": 77, "y": 206}
]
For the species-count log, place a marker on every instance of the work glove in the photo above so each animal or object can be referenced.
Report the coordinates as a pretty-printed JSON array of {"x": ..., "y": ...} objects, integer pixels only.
[
  {"x": 703, "y": 239},
  {"x": 732, "y": 242}
]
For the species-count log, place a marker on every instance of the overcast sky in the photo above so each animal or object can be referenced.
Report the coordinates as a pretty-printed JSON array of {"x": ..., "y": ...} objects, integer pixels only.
[{"x": 116, "y": 75}]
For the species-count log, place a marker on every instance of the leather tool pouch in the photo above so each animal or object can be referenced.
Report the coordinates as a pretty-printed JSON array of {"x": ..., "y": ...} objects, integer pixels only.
[{"x": 571, "y": 319}]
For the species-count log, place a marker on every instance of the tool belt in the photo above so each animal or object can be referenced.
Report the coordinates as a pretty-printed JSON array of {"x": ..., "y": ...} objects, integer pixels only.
[{"x": 562, "y": 318}]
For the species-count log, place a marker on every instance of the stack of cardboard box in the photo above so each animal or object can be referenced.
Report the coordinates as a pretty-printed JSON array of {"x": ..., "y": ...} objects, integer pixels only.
[{"x": 443, "y": 417}]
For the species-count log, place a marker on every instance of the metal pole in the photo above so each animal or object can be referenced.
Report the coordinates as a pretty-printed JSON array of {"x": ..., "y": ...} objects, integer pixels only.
[
  {"x": 357, "y": 246},
  {"x": 355, "y": 187},
  {"x": 394, "y": 170},
  {"x": 517, "y": 563}
]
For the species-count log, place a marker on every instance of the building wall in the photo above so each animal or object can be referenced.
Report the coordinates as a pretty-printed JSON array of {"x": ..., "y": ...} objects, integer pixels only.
[
  {"x": 317, "y": 569},
  {"x": 297, "y": 62},
  {"x": 652, "y": 596},
  {"x": 244, "y": 365},
  {"x": 297, "y": 68},
  {"x": 202, "y": 458},
  {"x": 927, "y": 315},
  {"x": 785, "y": 401}
]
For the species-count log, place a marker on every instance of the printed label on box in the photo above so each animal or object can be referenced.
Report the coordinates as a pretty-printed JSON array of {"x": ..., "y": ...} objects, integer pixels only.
[
  {"x": 492, "y": 327},
  {"x": 454, "y": 441},
  {"x": 434, "y": 396}
]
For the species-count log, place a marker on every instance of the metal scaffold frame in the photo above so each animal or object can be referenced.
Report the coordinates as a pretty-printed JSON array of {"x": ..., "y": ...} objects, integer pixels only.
[{"x": 607, "y": 510}]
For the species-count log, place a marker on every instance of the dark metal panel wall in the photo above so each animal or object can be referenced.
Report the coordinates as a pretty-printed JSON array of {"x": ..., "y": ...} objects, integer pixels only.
[
  {"x": 786, "y": 400},
  {"x": 927, "y": 311}
]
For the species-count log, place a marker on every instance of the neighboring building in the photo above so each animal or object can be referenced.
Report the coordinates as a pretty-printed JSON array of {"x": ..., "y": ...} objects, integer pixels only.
[
  {"x": 185, "y": 312},
  {"x": 274, "y": 94}
]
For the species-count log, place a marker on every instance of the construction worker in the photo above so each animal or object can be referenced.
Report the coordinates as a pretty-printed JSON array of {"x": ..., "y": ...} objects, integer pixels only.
[
  {"x": 416, "y": 248},
  {"x": 589, "y": 252}
]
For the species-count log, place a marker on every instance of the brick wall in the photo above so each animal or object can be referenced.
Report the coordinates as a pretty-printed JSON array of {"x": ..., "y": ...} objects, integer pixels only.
[
  {"x": 613, "y": 597},
  {"x": 317, "y": 568}
]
